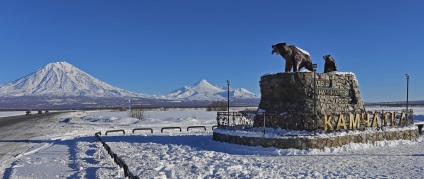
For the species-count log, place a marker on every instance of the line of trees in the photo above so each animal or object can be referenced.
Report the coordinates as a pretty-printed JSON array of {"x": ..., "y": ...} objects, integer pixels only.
[{"x": 217, "y": 106}]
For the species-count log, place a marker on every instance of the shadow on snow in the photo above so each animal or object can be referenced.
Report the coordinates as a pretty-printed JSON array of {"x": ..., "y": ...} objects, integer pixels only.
[{"x": 73, "y": 155}]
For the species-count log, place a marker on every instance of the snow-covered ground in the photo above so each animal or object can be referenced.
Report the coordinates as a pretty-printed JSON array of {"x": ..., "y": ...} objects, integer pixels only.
[{"x": 69, "y": 149}]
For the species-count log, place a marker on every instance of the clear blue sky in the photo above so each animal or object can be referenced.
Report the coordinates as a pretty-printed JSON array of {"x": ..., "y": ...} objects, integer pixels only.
[{"x": 155, "y": 47}]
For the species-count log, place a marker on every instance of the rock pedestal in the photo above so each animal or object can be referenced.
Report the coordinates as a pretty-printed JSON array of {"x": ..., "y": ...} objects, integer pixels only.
[
  {"x": 336, "y": 92},
  {"x": 316, "y": 142}
]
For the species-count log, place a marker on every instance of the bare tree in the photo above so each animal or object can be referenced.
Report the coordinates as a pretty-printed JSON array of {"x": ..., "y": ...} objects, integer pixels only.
[{"x": 217, "y": 106}]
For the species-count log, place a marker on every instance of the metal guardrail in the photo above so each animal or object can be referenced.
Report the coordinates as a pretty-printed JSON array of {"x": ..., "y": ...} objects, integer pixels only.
[
  {"x": 116, "y": 159},
  {"x": 141, "y": 129},
  {"x": 290, "y": 121},
  {"x": 193, "y": 127},
  {"x": 170, "y": 128},
  {"x": 235, "y": 118},
  {"x": 119, "y": 130},
  {"x": 151, "y": 130}
]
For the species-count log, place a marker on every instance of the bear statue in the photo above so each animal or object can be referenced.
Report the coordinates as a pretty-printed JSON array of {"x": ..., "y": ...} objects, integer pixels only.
[
  {"x": 330, "y": 64},
  {"x": 295, "y": 57}
]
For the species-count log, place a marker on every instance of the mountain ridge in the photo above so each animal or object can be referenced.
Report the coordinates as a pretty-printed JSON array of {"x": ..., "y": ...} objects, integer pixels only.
[
  {"x": 62, "y": 79},
  {"x": 203, "y": 90}
]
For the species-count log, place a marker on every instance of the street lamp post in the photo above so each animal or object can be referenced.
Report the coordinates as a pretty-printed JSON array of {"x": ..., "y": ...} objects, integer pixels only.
[
  {"x": 315, "y": 66},
  {"x": 228, "y": 101},
  {"x": 129, "y": 104},
  {"x": 407, "y": 98}
]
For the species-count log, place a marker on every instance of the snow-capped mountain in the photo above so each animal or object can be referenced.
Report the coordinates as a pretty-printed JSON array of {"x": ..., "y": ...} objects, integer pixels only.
[
  {"x": 62, "y": 79},
  {"x": 203, "y": 90},
  {"x": 239, "y": 93},
  {"x": 62, "y": 85}
]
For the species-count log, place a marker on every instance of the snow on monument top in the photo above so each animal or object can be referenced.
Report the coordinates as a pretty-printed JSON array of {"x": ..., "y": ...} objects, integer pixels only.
[{"x": 304, "y": 51}]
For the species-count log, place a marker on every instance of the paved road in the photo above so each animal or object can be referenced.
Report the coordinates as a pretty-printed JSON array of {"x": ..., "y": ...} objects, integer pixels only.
[
  {"x": 7, "y": 121},
  {"x": 17, "y": 134}
]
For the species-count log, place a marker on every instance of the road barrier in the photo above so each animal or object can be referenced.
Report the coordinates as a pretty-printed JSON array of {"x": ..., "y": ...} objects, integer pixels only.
[
  {"x": 192, "y": 127},
  {"x": 115, "y": 157},
  {"x": 120, "y": 130},
  {"x": 151, "y": 130},
  {"x": 170, "y": 128},
  {"x": 140, "y": 129}
]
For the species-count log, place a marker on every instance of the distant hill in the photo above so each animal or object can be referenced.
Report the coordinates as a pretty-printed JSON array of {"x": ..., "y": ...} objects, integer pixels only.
[{"x": 203, "y": 90}]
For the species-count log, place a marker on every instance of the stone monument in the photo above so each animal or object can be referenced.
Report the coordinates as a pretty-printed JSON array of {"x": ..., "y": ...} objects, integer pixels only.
[
  {"x": 336, "y": 92},
  {"x": 311, "y": 103}
]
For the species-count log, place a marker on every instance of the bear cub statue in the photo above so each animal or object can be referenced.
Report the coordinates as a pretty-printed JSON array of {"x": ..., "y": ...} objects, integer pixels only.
[{"x": 330, "y": 64}]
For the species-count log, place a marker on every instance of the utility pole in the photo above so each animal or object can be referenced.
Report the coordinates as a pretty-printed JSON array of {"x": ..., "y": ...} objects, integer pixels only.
[
  {"x": 228, "y": 101},
  {"x": 315, "y": 66},
  {"x": 407, "y": 98},
  {"x": 129, "y": 104}
]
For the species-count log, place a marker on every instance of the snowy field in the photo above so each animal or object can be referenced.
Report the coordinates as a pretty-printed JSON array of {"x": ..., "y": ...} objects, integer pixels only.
[{"x": 70, "y": 150}]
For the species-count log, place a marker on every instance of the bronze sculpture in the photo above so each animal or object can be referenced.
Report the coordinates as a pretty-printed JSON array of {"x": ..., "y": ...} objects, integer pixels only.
[
  {"x": 330, "y": 64},
  {"x": 295, "y": 57}
]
